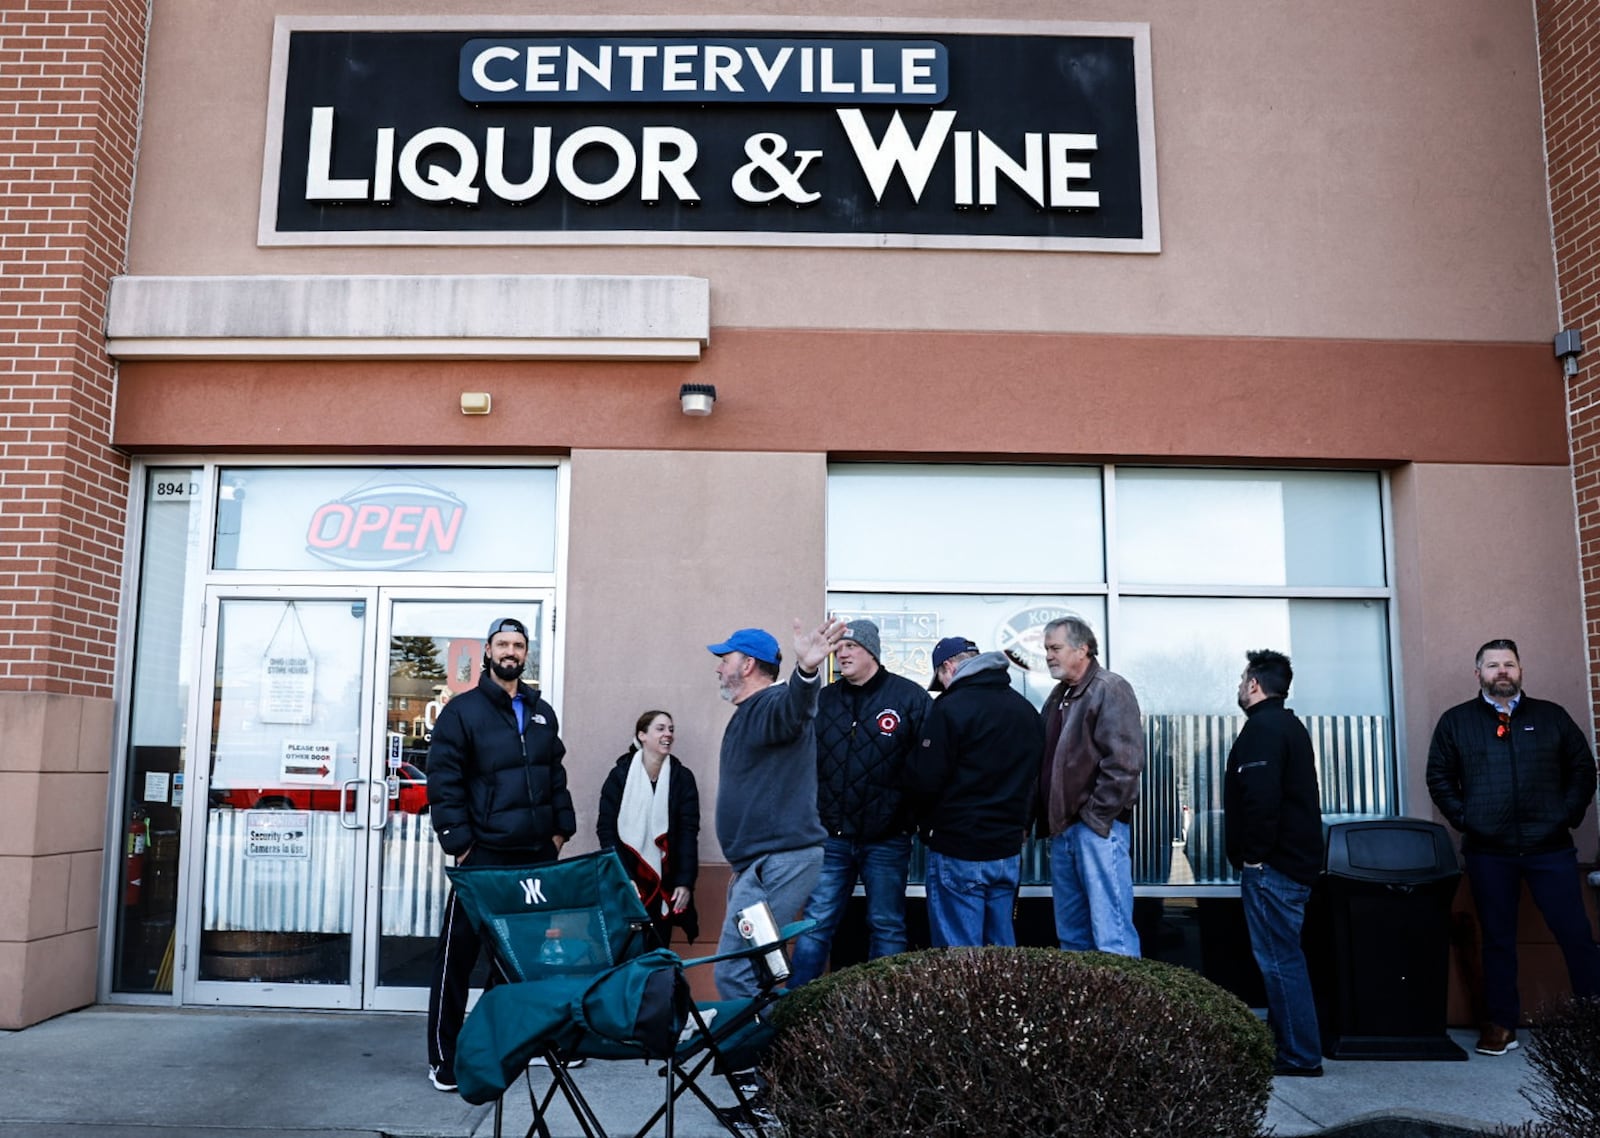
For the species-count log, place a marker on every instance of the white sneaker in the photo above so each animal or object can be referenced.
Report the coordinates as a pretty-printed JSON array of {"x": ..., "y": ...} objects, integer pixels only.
[{"x": 441, "y": 1079}]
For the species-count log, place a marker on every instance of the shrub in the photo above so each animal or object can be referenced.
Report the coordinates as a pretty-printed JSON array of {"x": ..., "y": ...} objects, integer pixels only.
[
  {"x": 1565, "y": 1058},
  {"x": 1018, "y": 1041}
]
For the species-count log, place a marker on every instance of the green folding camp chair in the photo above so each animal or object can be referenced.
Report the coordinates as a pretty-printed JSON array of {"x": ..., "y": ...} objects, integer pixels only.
[{"x": 587, "y": 982}]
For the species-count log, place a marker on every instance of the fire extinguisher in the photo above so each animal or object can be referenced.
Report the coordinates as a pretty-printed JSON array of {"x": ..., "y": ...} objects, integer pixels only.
[{"x": 133, "y": 858}]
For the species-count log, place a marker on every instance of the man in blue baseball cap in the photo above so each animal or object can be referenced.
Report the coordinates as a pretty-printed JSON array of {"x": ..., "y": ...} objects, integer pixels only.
[{"x": 767, "y": 792}]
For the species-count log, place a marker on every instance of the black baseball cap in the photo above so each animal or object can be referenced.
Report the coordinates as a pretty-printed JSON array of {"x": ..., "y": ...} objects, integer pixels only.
[
  {"x": 942, "y": 651},
  {"x": 508, "y": 623}
]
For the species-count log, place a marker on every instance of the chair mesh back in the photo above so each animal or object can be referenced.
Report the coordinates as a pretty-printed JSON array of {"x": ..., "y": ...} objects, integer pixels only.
[{"x": 585, "y": 905}]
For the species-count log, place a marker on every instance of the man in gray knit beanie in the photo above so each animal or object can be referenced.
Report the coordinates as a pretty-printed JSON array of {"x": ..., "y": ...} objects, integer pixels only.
[{"x": 868, "y": 723}]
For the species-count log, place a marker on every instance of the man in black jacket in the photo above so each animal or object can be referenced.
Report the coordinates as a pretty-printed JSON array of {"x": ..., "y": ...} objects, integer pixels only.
[
  {"x": 973, "y": 777},
  {"x": 497, "y": 795},
  {"x": 868, "y": 722},
  {"x": 1515, "y": 776},
  {"x": 1273, "y": 812}
]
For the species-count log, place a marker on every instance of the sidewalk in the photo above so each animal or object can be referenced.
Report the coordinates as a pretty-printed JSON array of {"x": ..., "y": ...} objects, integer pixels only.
[{"x": 237, "y": 1074}]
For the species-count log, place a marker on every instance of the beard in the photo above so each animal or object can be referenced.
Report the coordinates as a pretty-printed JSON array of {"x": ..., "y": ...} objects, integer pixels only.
[
  {"x": 726, "y": 690},
  {"x": 1501, "y": 689},
  {"x": 504, "y": 669}
]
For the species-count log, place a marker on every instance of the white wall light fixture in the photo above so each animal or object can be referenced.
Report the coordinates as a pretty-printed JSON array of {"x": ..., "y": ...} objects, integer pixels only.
[{"x": 697, "y": 398}]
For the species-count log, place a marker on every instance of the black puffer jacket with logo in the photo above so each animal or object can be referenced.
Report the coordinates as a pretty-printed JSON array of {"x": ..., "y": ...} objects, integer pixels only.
[
  {"x": 490, "y": 785},
  {"x": 1517, "y": 792},
  {"x": 864, "y": 735}
]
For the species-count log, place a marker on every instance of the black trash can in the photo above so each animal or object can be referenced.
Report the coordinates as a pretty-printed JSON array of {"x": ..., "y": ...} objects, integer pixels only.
[{"x": 1378, "y": 938}]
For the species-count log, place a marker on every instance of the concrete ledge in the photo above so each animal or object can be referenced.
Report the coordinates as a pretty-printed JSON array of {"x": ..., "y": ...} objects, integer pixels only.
[{"x": 390, "y": 317}]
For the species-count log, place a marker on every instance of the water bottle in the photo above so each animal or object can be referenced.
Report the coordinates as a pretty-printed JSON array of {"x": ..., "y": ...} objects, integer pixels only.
[{"x": 553, "y": 954}]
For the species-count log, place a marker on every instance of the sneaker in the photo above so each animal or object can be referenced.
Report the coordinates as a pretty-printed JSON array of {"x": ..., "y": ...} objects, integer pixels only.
[
  {"x": 569, "y": 1064},
  {"x": 1285, "y": 1070},
  {"x": 1496, "y": 1040},
  {"x": 442, "y": 1078},
  {"x": 753, "y": 1121}
]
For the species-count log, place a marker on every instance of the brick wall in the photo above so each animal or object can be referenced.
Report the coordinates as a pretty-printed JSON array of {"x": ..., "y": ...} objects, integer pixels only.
[
  {"x": 1569, "y": 61},
  {"x": 70, "y": 74}
]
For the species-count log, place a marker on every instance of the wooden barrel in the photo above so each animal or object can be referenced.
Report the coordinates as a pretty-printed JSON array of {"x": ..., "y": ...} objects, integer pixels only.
[{"x": 260, "y": 957}]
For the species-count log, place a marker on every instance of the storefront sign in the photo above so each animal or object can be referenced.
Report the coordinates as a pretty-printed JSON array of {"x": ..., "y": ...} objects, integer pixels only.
[
  {"x": 288, "y": 684},
  {"x": 309, "y": 761},
  {"x": 1021, "y": 637},
  {"x": 277, "y": 833},
  {"x": 1041, "y": 138},
  {"x": 381, "y": 519},
  {"x": 385, "y": 526}
]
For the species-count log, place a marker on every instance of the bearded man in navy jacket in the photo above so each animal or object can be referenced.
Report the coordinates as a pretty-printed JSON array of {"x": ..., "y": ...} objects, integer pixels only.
[{"x": 1515, "y": 776}]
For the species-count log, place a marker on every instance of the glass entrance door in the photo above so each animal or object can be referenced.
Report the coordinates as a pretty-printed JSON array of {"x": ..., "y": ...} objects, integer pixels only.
[
  {"x": 434, "y": 652},
  {"x": 319, "y": 883}
]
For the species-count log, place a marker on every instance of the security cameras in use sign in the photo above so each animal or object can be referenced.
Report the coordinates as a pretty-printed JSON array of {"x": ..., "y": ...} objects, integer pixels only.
[{"x": 822, "y": 137}]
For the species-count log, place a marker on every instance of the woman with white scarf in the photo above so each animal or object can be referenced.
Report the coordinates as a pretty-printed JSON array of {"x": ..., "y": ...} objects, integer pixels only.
[{"x": 650, "y": 814}]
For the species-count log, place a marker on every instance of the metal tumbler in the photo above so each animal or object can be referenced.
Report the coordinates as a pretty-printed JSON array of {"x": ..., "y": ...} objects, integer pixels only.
[{"x": 758, "y": 928}]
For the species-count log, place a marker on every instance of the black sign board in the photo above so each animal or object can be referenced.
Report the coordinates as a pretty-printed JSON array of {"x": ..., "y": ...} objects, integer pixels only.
[{"x": 713, "y": 137}]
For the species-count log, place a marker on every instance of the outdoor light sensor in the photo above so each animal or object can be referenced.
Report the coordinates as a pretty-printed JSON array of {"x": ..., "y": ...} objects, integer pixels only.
[
  {"x": 697, "y": 398},
  {"x": 474, "y": 402},
  {"x": 1569, "y": 346}
]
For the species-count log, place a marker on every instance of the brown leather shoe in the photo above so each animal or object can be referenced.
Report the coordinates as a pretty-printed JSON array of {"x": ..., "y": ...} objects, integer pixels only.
[{"x": 1496, "y": 1040}]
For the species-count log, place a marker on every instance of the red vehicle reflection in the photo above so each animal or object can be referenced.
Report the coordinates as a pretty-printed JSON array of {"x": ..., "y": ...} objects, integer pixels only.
[{"x": 413, "y": 795}]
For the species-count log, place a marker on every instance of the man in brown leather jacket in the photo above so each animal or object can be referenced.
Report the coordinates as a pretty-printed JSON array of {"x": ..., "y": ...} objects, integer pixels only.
[{"x": 1088, "y": 784}]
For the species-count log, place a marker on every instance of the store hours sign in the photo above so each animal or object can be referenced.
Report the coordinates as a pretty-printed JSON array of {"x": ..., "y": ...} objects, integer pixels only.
[{"x": 920, "y": 136}]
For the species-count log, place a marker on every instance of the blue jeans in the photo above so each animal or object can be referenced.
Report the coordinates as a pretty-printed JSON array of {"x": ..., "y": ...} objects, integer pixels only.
[
  {"x": 783, "y": 880},
  {"x": 1091, "y": 879},
  {"x": 881, "y": 866},
  {"x": 970, "y": 902},
  {"x": 1553, "y": 884},
  {"x": 1274, "y": 910}
]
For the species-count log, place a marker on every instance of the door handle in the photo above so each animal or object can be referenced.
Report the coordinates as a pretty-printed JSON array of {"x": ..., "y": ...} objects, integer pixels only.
[
  {"x": 379, "y": 799},
  {"x": 348, "y": 793}
]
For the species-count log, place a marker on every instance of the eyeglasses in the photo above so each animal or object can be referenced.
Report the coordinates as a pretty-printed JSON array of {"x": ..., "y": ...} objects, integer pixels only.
[{"x": 1504, "y": 728}]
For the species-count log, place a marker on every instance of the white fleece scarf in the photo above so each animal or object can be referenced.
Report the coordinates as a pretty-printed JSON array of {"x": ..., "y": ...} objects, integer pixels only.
[{"x": 642, "y": 826}]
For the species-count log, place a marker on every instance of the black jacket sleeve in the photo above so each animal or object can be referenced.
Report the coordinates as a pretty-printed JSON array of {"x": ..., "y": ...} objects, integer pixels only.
[
  {"x": 1252, "y": 816},
  {"x": 447, "y": 782},
  {"x": 1444, "y": 775},
  {"x": 605, "y": 825},
  {"x": 1579, "y": 773},
  {"x": 928, "y": 766}
]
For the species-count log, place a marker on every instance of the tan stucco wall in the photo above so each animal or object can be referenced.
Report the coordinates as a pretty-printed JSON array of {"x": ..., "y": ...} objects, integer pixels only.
[
  {"x": 1371, "y": 169},
  {"x": 673, "y": 551},
  {"x": 53, "y": 786},
  {"x": 1483, "y": 552}
]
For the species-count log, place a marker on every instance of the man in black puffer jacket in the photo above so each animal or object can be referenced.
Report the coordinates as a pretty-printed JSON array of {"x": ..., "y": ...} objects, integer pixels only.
[
  {"x": 868, "y": 721},
  {"x": 1515, "y": 776},
  {"x": 497, "y": 795}
]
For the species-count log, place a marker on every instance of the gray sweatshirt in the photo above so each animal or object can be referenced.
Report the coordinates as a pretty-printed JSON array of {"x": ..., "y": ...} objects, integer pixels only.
[{"x": 767, "y": 792}]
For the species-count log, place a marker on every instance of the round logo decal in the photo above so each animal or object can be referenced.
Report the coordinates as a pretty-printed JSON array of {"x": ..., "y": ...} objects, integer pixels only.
[{"x": 888, "y": 720}]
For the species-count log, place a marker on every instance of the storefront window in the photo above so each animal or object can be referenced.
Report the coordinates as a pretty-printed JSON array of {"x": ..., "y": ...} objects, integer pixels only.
[
  {"x": 1183, "y": 657},
  {"x": 1209, "y": 564},
  {"x": 153, "y": 796},
  {"x": 945, "y": 526},
  {"x": 382, "y": 519},
  {"x": 1248, "y": 527}
]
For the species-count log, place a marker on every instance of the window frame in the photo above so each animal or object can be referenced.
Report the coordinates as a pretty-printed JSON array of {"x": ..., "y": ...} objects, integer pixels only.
[{"x": 1113, "y": 590}]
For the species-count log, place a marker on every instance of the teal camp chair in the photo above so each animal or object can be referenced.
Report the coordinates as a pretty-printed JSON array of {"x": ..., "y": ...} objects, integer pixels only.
[{"x": 585, "y": 981}]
